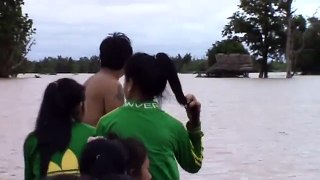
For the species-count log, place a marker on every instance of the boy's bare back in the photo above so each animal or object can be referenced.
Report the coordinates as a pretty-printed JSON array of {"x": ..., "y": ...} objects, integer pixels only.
[{"x": 103, "y": 93}]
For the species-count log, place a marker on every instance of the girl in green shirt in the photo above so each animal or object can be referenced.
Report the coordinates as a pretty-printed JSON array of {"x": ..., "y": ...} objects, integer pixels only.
[
  {"x": 56, "y": 144},
  {"x": 166, "y": 138}
]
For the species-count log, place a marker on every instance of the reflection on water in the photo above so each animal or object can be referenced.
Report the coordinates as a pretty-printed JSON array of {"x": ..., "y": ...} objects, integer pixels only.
[{"x": 254, "y": 128}]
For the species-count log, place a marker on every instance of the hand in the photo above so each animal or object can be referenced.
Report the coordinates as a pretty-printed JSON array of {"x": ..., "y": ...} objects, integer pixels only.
[{"x": 193, "y": 109}]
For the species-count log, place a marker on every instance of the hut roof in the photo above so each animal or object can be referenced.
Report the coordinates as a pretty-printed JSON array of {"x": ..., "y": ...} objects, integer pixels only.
[{"x": 232, "y": 62}]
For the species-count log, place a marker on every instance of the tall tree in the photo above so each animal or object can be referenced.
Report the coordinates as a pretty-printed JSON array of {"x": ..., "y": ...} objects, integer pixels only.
[
  {"x": 259, "y": 25},
  {"x": 298, "y": 29},
  {"x": 286, "y": 5},
  {"x": 15, "y": 36}
]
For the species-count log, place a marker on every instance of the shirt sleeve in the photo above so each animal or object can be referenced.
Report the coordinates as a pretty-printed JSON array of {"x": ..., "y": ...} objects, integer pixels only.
[
  {"x": 28, "y": 149},
  {"x": 103, "y": 126},
  {"x": 189, "y": 149},
  {"x": 100, "y": 131}
]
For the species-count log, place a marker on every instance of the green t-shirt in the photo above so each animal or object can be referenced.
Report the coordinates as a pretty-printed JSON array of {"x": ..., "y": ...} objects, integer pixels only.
[
  {"x": 66, "y": 162},
  {"x": 166, "y": 139}
]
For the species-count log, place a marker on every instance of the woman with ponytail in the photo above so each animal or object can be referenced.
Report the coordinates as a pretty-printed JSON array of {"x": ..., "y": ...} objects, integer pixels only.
[
  {"x": 166, "y": 138},
  {"x": 57, "y": 141}
]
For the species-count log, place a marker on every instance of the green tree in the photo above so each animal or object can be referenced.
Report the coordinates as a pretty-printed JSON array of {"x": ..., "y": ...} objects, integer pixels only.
[
  {"x": 83, "y": 65},
  {"x": 15, "y": 36},
  {"x": 94, "y": 64},
  {"x": 177, "y": 60},
  {"x": 298, "y": 28},
  {"x": 187, "y": 58},
  {"x": 309, "y": 58},
  {"x": 295, "y": 27},
  {"x": 228, "y": 46},
  {"x": 259, "y": 24}
]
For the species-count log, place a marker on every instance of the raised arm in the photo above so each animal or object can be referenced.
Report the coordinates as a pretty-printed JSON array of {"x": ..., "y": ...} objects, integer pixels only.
[
  {"x": 189, "y": 151},
  {"x": 189, "y": 148}
]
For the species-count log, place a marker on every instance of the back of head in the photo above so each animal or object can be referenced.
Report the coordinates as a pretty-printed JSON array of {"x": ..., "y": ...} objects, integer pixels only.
[
  {"x": 115, "y": 50},
  {"x": 102, "y": 157},
  {"x": 137, "y": 155},
  {"x": 57, "y": 112},
  {"x": 151, "y": 74}
]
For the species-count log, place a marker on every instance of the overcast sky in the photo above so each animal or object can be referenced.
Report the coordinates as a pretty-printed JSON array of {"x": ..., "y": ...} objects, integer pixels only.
[{"x": 76, "y": 27}]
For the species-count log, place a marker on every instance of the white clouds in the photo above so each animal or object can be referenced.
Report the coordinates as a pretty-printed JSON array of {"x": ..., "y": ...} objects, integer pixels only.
[{"x": 76, "y": 27}]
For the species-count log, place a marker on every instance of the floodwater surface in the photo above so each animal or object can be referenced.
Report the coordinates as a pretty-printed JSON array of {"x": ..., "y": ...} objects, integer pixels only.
[{"x": 254, "y": 128}]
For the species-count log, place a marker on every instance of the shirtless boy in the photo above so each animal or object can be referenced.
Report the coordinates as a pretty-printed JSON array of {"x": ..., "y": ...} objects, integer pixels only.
[{"x": 104, "y": 92}]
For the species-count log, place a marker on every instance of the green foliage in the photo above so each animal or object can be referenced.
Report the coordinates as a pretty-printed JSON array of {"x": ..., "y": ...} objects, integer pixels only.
[
  {"x": 15, "y": 36},
  {"x": 187, "y": 58},
  {"x": 194, "y": 66},
  {"x": 299, "y": 26},
  {"x": 227, "y": 47},
  {"x": 259, "y": 24},
  {"x": 188, "y": 64},
  {"x": 309, "y": 58},
  {"x": 51, "y": 65},
  {"x": 277, "y": 66}
]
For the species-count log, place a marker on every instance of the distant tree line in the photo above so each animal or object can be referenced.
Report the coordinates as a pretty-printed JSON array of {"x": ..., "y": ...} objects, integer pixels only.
[{"x": 55, "y": 65}]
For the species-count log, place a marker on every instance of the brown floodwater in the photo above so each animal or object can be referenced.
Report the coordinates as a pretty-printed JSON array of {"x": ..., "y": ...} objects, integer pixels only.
[{"x": 254, "y": 128}]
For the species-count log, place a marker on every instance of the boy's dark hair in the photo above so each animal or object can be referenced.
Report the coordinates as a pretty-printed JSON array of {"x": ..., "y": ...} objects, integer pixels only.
[{"x": 115, "y": 50}]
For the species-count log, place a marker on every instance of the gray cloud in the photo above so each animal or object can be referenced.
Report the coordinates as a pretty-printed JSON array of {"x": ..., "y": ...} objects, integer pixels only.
[{"x": 76, "y": 27}]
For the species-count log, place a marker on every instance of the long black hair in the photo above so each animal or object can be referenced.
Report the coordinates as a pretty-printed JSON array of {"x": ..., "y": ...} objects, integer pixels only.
[
  {"x": 55, "y": 118},
  {"x": 151, "y": 74}
]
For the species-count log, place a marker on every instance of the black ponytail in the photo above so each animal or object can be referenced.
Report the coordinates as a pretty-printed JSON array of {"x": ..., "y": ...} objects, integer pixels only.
[
  {"x": 172, "y": 77},
  {"x": 55, "y": 118},
  {"x": 151, "y": 73}
]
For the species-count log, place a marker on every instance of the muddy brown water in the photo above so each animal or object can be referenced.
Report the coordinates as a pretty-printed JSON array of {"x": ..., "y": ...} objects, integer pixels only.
[{"x": 254, "y": 128}]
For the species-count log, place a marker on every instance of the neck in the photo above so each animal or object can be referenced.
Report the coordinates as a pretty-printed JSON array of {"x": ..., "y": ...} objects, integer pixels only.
[
  {"x": 139, "y": 100},
  {"x": 114, "y": 73},
  {"x": 136, "y": 96}
]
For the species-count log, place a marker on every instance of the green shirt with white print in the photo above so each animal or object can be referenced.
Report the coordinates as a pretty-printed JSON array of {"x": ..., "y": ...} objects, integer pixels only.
[{"x": 166, "y": 138}]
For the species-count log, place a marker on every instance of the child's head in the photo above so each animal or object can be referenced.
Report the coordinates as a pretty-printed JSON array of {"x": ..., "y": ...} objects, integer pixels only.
[
  {"x": 103, "y": 157},
  {"x": 115, "y": 51},
  {"x": 138, "y": 161}
]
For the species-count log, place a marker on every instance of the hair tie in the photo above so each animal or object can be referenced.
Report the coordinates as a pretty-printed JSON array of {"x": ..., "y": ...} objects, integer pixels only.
[
  {"x": 56, "y": 83},
  {"x": 97, "y": 157},
  {"x": 92, "y": 138}
]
